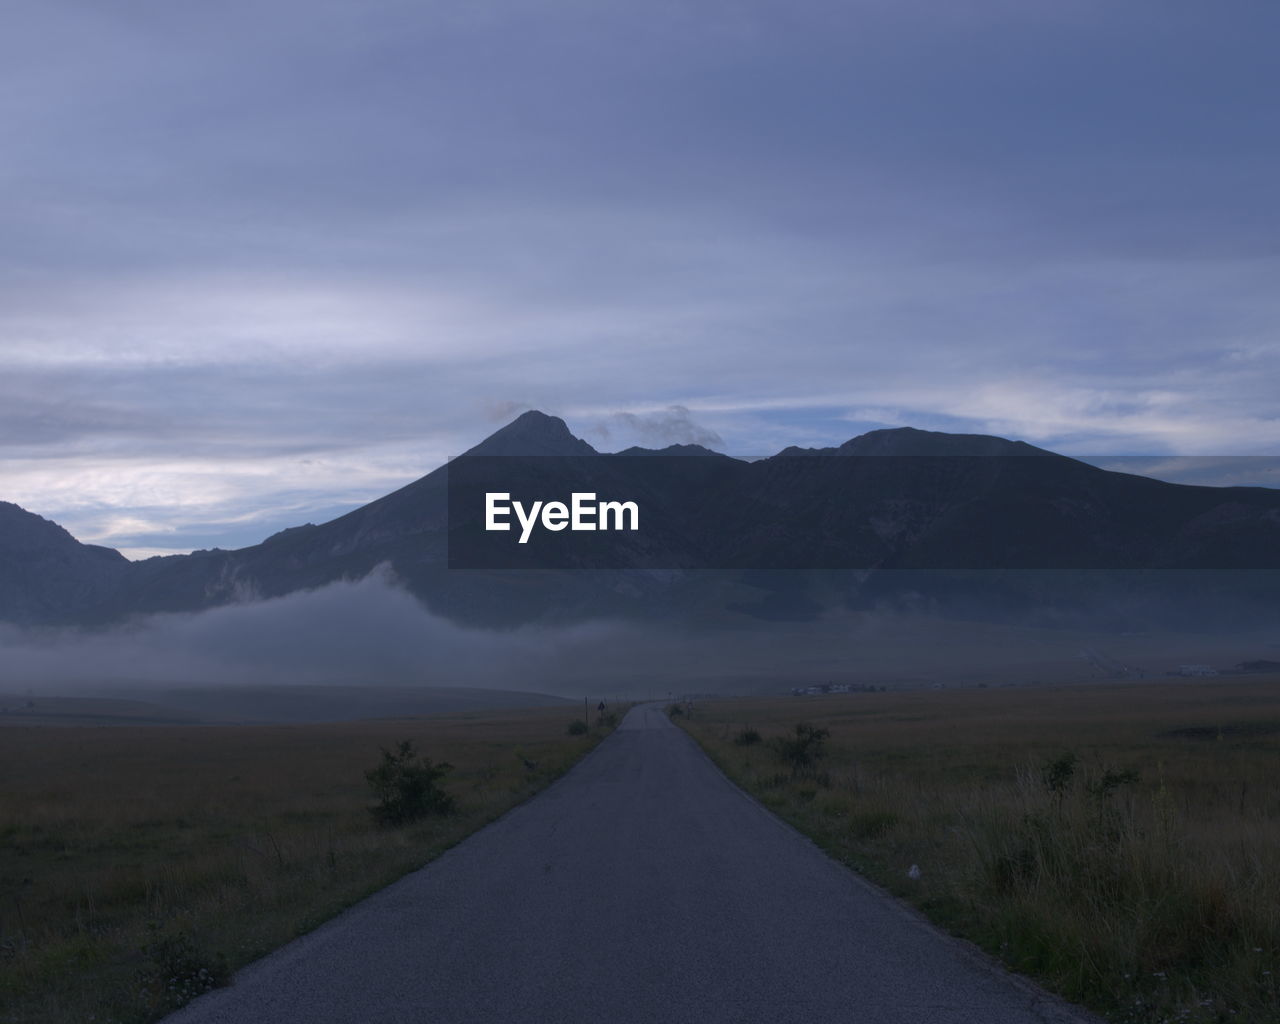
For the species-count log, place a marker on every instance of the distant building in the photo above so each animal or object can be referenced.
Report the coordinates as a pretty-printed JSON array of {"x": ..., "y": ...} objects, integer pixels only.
[
  {"x": 1197, "y": 670},
  {"x": 1261, "y": 665}
]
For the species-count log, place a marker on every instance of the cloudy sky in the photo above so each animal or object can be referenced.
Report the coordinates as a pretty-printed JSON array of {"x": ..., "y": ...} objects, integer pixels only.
[{"x": 261, "y": 262}]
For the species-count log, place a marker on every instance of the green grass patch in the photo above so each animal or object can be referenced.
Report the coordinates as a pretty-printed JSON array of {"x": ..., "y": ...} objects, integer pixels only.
[
  {"x": 1120, "y": 844},
  {"x": 142, "y": 865}
]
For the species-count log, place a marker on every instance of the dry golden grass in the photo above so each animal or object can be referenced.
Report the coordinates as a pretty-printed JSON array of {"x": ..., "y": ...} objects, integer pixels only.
[
  {"x": 1148, "y": 899},
  {"x": 131, "y": 858}
]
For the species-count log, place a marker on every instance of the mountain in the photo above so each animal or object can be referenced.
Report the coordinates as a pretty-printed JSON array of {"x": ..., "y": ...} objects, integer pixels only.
[
  {"x": 46, "y": 574},
  {"x": 909, "y": 441},
  {"x": 533, "y": 433},
  {"x": 959, "y": 524}
]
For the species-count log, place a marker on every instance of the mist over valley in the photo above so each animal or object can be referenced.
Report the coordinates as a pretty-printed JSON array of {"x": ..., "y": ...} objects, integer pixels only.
[{"x": 954, "y": 560}]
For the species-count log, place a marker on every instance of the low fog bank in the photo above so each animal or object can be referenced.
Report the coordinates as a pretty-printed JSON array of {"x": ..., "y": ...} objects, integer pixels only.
[{"x": 372, "y": 633}]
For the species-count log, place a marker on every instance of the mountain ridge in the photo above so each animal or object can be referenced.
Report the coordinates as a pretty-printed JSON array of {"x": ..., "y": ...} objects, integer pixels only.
[
  {"x": 912, "y": 441},
  {"x": 947, "y": 506}
]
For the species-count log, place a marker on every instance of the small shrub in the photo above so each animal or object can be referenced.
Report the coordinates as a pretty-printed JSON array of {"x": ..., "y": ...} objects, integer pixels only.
[
  {"x": 1058, "y": 773},
  {"x": 177, "y": 972},
  {"x": 801, "y": 750},
  {"x": 675, "y": 711},
  {"x": 747, "y": 738},
  {"x": 529, "y": 766},
  {"x": 1110, "y": 781},
  {"x": 405, "y": 785},
  {"x": 577, "y": 727}
]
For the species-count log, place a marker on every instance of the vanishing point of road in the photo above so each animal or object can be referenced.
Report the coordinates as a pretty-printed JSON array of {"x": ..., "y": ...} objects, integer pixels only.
[{"x": 641, "y": 886}]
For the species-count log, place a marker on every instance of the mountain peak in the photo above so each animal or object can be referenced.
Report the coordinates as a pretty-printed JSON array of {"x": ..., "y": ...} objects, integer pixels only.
[
  {"x": 913, "y": 441},
  {"x": 901, "y": 441},
  {"x": 22, "y": 529},
  {"x": 533, "y": 433},
  {"x": 672, "y": 449}
]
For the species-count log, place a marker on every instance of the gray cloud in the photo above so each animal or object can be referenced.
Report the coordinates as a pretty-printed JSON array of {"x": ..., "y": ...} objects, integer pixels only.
[
  {"x": 260, "y": 261},
  {"x": 673, "y": 425},
  {"x": 36, "y": 414}
]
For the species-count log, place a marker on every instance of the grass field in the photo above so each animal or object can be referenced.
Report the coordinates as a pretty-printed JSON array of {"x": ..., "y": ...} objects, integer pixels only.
[
  {"x": 1120, "y": 843},
  {"x": 140, "y": 865}
]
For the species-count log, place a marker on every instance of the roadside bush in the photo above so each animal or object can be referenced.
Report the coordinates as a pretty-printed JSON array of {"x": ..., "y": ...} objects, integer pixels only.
[
  {"x": 177, "y": 971},
  {"x": 406, "y": 786},
  {"x": 1057, "y": 773},
  {"x": 1111, "y": 780},
  {"x": 577, "y": 727},
  {"x": 747, "y": 738},
  {"x": 801, "y": 749}
]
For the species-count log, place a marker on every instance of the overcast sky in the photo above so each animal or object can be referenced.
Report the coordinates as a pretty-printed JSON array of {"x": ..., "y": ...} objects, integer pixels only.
[{"x": 261, "y": 262}]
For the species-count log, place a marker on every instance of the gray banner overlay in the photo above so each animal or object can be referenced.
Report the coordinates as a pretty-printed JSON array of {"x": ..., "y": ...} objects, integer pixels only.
[{"x": 846, "y": 512}]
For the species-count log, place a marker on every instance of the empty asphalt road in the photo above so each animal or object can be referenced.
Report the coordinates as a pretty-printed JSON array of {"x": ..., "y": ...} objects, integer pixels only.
[{"x": 643, "y": 886}]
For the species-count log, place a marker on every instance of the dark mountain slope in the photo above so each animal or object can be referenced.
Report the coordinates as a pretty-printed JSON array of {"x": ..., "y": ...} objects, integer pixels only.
[
  {"x": 46, "y": 574},
  {"x": 405, "y": 530},
  {"x": 909, "y": 441},
  {"x": 966, "y": 524}
]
